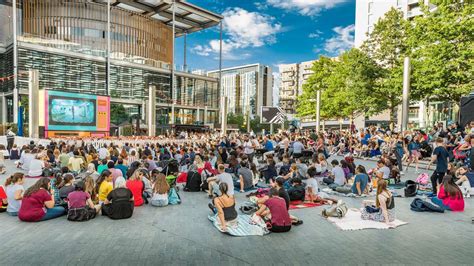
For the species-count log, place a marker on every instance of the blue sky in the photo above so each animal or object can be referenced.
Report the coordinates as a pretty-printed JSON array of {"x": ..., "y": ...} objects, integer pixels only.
[{"x": 271, "y": 32}]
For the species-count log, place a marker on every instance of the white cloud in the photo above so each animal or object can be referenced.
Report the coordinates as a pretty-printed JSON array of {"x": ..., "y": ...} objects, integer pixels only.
[
  {"x": 315, "y": 35},
  {"x": 305, "y": 7},
  {"x": 342, "y": 41},
  {"x": 243, "y": 29}
]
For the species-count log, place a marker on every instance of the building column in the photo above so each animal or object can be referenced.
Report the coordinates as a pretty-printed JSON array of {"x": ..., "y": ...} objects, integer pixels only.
[
  {"x": 198, "y": 114},
  {"x": 15, "y": 62},
  {"x": 4, "y": 109},
  {"x": 151, "y": 110},
  {"x": 205, "y": 115},
  {"x": 33, "y": 103}
]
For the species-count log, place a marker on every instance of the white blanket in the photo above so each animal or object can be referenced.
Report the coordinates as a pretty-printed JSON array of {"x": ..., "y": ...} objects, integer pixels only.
[{"x": 353, "y": 221}]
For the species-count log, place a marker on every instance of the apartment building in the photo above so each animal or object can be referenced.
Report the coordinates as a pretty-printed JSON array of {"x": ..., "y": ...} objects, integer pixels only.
[{"x": 293, "y": 76}]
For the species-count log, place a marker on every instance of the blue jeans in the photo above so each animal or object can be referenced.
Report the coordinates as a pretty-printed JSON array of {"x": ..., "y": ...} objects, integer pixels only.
[
  {"x": 12, "y": 213},
  {"x": 439, "y": 202},
  {"x": 54, "y": 212}
]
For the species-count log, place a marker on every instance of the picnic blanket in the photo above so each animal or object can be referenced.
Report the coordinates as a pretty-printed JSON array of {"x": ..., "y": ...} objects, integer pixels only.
[
  {"x": 245, "y": 226},
  {"x": 351, "y": 195},
  {"x": 353, "y": 221},
  {"x": 299, "y": 204}
]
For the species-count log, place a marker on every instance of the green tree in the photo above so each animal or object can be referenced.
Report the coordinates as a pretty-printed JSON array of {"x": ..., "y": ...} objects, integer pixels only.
[
  {"x": 118, "y": 114},
  {"x": 387, "y": 46},
  {"x": 442, "y": 52},
  {"x": 319, "y": 80}
]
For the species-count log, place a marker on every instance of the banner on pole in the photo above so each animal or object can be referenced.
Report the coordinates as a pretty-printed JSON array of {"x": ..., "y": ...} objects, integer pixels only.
[{"x": 272, "y": 115}]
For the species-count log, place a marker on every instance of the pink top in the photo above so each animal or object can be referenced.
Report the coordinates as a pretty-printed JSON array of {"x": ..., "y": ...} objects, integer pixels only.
[{"x": 456, "y": 204}]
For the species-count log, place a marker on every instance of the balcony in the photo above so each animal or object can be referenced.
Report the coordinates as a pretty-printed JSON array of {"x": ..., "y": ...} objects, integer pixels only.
[{"x": 413, "y": 2}]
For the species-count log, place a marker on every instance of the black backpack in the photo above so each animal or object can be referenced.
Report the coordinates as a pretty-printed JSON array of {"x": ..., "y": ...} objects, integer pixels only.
[
  {"x": 296, "y": 193},
  {"x": 411, "y": 187},
  {"x": 193, "y": 183}
]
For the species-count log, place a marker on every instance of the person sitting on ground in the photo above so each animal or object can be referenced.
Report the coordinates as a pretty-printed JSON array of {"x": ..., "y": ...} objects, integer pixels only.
[
  {"x": 36, "y": 167},
  {"x": 384, "y": 209},
  {"x": 115, "y": 172},
  {"x": 14, "y": 192},
  {"x": 3, "y": 200},
  {"x": 269, "y": 171},
  {"x": 80, "y": 205},
  {"x": 337, "y": 177},
  {"x": 382, "y": 171},
  {"x": 274, "y": 209},
  {"x": 102, "y": 166},
  {"x": 135, "y": 185},
  {"x": 76, "y": 163},
  {"x": 14, "y": 153},
  {"x": 311, "y": 184},
  {"x": 224, "y": 207},
  {"x": 64, "y": 158},
  {"x": 104, "y": 185},
  {"x": 38, "y": 204},
  {"x": 222, "y": 177},
  {"x": 361, "y": 180},
  {"x": 89, "y": 187},
  {"x": 67, "y": 186},
  {"x": 123, "y": 168},
  {"x": 449, "y": 195},
  {"x": 161, "y": 189},
  {"x": 297, "y": 190},
  {"x": 245, "y": 175},
  {"x": 302, "y": 168},
  {"x": 463, "y": 181},
  {"x": 119, "y": 203},
  {"x": 92, "y": 172}
]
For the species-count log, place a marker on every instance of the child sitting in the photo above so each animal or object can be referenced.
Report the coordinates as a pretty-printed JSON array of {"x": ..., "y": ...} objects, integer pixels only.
[{"x": 312, "y": 185}]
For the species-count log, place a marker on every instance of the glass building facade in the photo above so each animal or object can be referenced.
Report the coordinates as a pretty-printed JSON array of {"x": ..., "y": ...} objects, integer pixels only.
[{"x": 67, "y": 43}]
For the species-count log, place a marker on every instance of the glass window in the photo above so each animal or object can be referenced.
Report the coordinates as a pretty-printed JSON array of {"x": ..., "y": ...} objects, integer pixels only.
[{"x": 371, "y": 5}]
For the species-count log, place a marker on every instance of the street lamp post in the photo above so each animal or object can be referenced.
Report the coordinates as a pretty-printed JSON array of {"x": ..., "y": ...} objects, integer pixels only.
[
  {"x": 318, "y": 110},
  {"x": 406, "y": 92}
]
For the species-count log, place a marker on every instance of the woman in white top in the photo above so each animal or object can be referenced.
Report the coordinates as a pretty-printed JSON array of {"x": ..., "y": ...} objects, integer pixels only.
[
  {"x": 14, "y": 190},
  {"x": 160, "y": 191},
  {"x": 36, "y": 167}
]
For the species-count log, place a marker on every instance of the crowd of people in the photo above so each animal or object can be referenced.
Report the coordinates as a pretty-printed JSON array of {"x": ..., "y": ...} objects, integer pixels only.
[{"x": 81, "y": 178}]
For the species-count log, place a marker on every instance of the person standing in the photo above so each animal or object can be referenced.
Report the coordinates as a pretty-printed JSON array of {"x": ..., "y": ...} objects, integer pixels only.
[
  {"x": 440, "y": 156},
  {"x": 10, "y": 138}
]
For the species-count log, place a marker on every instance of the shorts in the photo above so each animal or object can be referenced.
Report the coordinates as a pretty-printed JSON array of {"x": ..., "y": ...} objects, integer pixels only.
[{"x": 415, "y": 154}]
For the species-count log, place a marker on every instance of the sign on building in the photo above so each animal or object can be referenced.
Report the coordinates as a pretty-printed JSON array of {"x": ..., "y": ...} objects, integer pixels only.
[{"x": 272, "y": 115}]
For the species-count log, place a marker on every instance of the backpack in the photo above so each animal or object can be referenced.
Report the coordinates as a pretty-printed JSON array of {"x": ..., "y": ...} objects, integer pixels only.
[
  {"x": 297, "y": 193},
  {"x": 193, "y": 182},
  {"x": 339, "y": 210},
  {"x": 459, "y": 155},
  {"x": 173, "y": 197},
  {"x": 423, "y": 179},
  {"x": 410, "y": 188}
]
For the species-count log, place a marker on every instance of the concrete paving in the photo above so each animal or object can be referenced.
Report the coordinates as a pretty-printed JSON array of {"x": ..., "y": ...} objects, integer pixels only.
[{"x": 182, "y": 235}]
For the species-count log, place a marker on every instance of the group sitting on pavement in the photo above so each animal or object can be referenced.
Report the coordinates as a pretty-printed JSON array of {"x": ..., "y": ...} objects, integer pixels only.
[{"x": 81, "y": 178}]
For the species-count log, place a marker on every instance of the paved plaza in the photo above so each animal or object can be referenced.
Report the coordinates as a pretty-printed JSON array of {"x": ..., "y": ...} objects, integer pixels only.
[{"x": 182, "y": 235}]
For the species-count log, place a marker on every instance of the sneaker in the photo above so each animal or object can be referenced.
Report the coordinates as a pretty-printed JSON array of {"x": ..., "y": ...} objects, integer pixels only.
[
  {"x": 402, "y": 173},
  {"x": 213, "y": 209}
]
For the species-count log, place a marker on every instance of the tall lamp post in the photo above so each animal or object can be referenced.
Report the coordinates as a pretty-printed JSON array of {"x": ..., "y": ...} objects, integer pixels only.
[
  {"x": 406, "y": 92},
  {"x": 318, "y": 110}
]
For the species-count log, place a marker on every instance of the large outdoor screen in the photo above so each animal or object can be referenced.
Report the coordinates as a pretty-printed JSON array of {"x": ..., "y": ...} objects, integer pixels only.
[
  {"x": 66, "y": 111},
  {"x": 78, "y": 112}
]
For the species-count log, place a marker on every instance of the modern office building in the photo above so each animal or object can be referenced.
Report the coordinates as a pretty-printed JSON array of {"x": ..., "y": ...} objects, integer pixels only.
[
  {"x": 368, "y": 12},
  {"x": 248, "y": 88},
  {"x": 293, "y": 76},
  {"x": 82, "y": 46}
]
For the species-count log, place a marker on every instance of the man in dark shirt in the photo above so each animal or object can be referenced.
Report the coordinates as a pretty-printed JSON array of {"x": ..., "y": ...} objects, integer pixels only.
[{"x": 440, "y": 156}]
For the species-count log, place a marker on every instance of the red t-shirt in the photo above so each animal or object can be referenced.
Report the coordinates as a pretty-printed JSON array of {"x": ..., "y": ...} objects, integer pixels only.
[
  {"x": 3, "y": 195},
  {"x": 456, "y": 204},
  {"x": 32, "y": 208},
  {"x": 78, "y": 199},
  {"x": 136, "y": 187},
  {"x": 280, "y": 215}
]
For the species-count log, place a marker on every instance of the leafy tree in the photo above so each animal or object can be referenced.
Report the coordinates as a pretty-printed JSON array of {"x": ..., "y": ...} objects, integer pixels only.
[
  {"x": 118, "y": 114},
  {"x": 387, "y": 46},
  {"x": 443, "y": 52},
  {"x": 319, "y": 80}
]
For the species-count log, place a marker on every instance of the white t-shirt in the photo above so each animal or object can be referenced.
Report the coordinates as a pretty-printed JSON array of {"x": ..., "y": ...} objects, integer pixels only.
[
  {"x": 36, "y": 168},
  {"x": 248, "y": 147},
  {"x": 339, "y": 176},
  {"x": 312, "y": 183},
  {"x": 226, "y": 178},
  {"x": 385, "y": 171}
]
